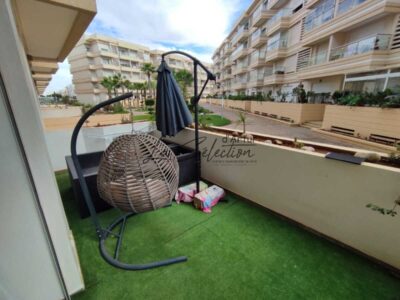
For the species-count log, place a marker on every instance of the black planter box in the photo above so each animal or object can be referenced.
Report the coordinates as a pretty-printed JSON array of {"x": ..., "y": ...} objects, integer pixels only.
[{"x": 90, "y": 165}]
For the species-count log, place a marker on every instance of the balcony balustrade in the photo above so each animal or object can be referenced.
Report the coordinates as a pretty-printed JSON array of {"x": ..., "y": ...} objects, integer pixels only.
[{"x": 372, "y": 43}]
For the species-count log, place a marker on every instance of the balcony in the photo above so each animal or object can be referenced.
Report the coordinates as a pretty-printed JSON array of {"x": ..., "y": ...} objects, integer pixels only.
[
  {"x": 364, "y": 55},
  {"x": 239, "y": 85},
  {"x": 377, "y": 42},
  {"x": 240, "y": 52},
  {"x": 257, "y": 59},
  {"x": 313, "y": 60},
  {"x": 347, "y": 5},
  {"x": 261, "y": 15},
  {"x": 258, "y": 39},
  {"x": 276, "y": 50},
  {"x": 257, "y": 81},
  {"x": 241, "y": 35},
  {"x": 277, "y": 77},
  {"x": 281, "y": 20},
  {"x": 351, "y": 15},
  {"x": 240, "y": 69}
]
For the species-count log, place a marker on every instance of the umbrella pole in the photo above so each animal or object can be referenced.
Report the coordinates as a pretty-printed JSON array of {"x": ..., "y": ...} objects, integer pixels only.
[{"x": 196, "y": 128}]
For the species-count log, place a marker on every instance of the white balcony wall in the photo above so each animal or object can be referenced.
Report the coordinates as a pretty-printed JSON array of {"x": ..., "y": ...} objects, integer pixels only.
[
  {"x": 294, "y": 34},
  {"x": 82, "y": 62},
  {"x": 384, "y": 25},
  {"x": 290, "y": 63},
  {"x": 326, "y": 84},
  {"x": 37, "y": 248},
  {"x": 82, "y": 75},
  {"x": 79, "y": 50}
]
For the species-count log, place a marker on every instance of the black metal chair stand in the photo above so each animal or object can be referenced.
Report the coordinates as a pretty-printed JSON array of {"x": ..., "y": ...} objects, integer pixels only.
[{"x": 104, "y": 233}]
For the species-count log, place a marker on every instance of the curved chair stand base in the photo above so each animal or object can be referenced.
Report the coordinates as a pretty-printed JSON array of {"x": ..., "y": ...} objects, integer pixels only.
[
  {"x": 104, "y": 233},
  {"x": 113, "y": 260}
]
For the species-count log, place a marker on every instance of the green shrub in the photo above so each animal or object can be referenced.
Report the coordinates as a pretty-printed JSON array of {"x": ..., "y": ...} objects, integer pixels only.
[
  {"x": 384, "y": 98},
  {"x": 117, "y": 108},
  {"x": 392, "y": 102},
  {"x": 149, "y": 102}
]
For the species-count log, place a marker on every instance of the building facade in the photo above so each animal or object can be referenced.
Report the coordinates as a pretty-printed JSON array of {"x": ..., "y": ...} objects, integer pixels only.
[
  {"x": 326, "y": 45},
  {"x": 97, "y": 56}
]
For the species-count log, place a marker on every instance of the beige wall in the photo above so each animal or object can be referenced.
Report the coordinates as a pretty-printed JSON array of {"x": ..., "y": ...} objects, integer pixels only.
[
  {"x": 297, "y": 112},
  {"x": 236, "y": 104},
  {"x": 326, "y": 84},
  {"x": 364, "y": 120},
  {"x": 326, "y": 195}
]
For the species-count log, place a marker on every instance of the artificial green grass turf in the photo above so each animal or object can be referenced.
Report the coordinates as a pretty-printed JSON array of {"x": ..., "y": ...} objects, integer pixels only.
[
  {"x": 238, "y": 252},
  {"x": 213, "y": 120}
]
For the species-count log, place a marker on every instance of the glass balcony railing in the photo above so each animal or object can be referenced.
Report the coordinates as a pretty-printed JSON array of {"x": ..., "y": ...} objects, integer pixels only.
[
  {"x": 278, "y": 44},
  {"x": 268, "y": 71},
  {"x": 372, "y": 43},
  {"x": 346, "y": 5},
  {"x": 320, "y": 15},
  {"x": 316, "y": 59},
  {"x": 239, "y": 49},
  {"x": 257, "y": 56},
  {"x": 279, "y": 15}
]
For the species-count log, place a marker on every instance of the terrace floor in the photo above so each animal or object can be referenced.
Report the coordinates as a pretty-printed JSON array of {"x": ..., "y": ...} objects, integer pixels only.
[{"x": 239, "y": 251}]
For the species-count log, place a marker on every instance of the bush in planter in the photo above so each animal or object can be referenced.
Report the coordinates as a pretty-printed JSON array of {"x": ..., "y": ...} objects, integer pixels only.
[
  {"x": 336, "y": 96},
  {"x": 300, "y": 93},
  {"x": 352, "y": 100},
  {"x": 392, "y": 102},
  {"x": 149, "y": 102}
]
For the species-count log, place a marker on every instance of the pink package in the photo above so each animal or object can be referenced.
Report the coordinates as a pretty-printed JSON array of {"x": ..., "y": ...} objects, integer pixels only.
[
  {"x": 187, "y": 192},
  {"x": 208, "y": 198}
]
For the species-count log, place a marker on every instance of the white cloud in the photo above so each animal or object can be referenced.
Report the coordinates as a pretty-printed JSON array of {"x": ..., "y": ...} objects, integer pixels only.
[
  {"x": 60, "y": 79},
  {"x": 195, "y": 26},
  {"x": 182, "y": 23}
]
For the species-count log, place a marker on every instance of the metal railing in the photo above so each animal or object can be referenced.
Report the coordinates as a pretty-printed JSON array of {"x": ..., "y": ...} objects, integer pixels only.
[{"x": 372, "y": 43}]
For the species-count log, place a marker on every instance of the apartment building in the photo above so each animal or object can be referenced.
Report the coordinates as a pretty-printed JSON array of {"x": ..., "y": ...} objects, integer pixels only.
[
  {"x": 326, "y": 45},
  {"x": 97, "y": 56}
]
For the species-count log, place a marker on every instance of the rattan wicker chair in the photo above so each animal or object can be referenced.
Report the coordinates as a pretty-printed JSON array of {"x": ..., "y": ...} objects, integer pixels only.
[{"x": 138, "y": 173}]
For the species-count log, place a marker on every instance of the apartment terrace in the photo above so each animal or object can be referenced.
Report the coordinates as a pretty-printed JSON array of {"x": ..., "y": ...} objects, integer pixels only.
[
  {"x": 349, "y": 14},
  {"x": 257, "y": 59},
  {"x": 261, "y": 15},
  {"x": 255, "y": 253},
  {"x": 258, "y": 38},
  {"x": 280, "y": 21},
  {"x": 240, "y": 52},
  {"x": 241, "y": 34},
  {"x": 367, "y": 54},
  {"x": 240, "y": 68},
  {"x": 277, "y": 50}
]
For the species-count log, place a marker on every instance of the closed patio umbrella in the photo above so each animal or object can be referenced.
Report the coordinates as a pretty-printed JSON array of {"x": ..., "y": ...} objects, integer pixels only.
[{"x": 172, "y": 113}]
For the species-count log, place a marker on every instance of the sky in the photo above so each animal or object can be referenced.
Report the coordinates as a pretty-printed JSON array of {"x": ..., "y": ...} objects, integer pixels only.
[{"x": 195, "y": 26}]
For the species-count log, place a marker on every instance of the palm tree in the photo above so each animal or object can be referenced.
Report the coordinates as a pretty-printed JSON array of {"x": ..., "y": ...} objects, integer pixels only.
[
  {"x": 118, "y": 81},
  {"x": 148, "y": 68},
  {"x": 108, "y": 83},
  {"x": 184, "y": 79}
]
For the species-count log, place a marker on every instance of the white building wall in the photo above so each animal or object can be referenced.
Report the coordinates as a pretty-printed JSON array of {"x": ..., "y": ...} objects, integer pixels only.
[{"x": 27, "y": 268}]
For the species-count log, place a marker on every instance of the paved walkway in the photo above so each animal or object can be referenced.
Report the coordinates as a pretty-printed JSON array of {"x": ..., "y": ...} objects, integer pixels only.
[{"x": 269, "y": 126}]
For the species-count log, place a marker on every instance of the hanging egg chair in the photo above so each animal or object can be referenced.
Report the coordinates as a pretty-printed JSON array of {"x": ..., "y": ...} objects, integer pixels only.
[{"x": 138, "y": 173}]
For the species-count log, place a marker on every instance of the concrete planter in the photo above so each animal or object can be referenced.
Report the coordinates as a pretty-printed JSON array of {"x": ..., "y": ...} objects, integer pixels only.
[
  {"x": 292, "y": 112},
  {"x": 238, "y": 104},
  {"x": 325, "y": 195},
  {"x": 363, "y": 121}
]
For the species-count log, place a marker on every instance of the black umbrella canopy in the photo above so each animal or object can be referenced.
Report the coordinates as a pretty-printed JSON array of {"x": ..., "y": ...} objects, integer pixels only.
[{"x": 172, "y": 113}]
